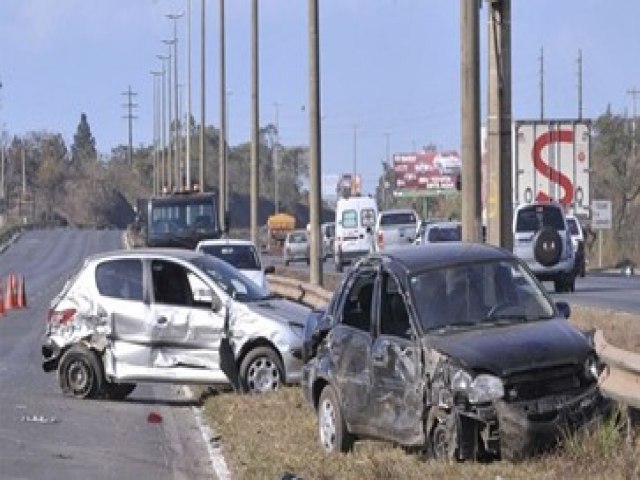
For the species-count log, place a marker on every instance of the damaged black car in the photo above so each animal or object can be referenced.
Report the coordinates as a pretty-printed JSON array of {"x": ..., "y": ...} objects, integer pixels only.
[{"x": 455, "y": 349}]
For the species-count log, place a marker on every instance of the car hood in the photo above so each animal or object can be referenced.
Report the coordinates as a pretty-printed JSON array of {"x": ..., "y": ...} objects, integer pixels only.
[
  {"x": 280, "y": 310},
  {"x": 508, "y": 349}
]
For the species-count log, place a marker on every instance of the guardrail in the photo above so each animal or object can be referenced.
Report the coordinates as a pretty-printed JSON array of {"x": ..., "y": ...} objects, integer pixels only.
[
  {"x": 623, "y": 380},
  {"x": 306, "y": 293},
  {"x": 621, "y": 383}
]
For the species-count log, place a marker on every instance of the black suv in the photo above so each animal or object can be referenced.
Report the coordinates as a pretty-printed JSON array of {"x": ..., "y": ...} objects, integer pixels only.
[{"x": 456, "y": 349}]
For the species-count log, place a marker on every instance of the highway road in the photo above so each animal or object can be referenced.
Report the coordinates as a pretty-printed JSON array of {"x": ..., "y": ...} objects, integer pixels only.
[{"x": 44, "y": 435}]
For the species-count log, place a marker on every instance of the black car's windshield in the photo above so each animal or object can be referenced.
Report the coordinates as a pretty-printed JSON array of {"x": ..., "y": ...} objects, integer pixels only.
[
  {"x": 243, "y": 257},
  {"x": 229, "y": 279},
  {"x": 478, "y": 294}
]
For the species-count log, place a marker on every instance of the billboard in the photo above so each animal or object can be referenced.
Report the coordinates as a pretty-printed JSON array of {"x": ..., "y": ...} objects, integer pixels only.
[{"x": 425, "y": 172}]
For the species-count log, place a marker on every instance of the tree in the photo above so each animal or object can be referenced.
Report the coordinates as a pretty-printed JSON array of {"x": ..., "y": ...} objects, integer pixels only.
[
  {"x": 84, "y": 145},
  {"x": 616, "y": 166}
]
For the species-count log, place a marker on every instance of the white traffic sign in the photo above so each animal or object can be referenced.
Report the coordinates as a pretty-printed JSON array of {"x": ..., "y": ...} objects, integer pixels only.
[{"x": 601, "y": 214}]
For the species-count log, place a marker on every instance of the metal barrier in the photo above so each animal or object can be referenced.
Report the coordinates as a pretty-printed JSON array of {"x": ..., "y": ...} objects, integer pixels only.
[
  {"x": 293, "y": 289},
  {"x": 621, "y": 383}
]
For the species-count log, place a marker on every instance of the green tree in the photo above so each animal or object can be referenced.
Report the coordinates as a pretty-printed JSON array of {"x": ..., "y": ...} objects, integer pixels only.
[{"x": 84, "y": 145}]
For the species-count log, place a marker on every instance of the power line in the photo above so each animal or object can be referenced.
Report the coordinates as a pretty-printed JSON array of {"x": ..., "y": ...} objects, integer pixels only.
[{"x": 130, "y": 117}]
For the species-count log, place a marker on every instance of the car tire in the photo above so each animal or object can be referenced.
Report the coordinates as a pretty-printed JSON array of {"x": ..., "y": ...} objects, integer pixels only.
[
  {"x": 118, "y": 391},
  {"x": 332, "y": 429},
  {"x": 80, "y": 373},
  {"x": 308, "y": 261},
  {"x": 547, "y": 246},
  {"x": 338, "y": 262},
  {"x": 441, "y": 438},
  {"x": 261, "y": 371}
]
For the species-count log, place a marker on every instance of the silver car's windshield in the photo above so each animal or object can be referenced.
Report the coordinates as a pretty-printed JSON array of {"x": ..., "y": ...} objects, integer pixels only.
[
  {"x": 229, "y": 279},
  {"x": 465, "y": 295}
]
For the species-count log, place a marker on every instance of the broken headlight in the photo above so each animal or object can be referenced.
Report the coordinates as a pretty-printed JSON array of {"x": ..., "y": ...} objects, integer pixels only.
[
  {"x": 481, "y": 389},
  {"x": 593, "y": 367}
]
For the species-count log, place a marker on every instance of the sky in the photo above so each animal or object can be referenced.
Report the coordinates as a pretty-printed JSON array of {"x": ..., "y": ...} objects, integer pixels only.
[{"x": 389, "y": 68}]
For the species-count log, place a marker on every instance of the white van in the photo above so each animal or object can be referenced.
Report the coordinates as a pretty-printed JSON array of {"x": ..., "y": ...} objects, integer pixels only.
[{"x": 355, "y": 222}]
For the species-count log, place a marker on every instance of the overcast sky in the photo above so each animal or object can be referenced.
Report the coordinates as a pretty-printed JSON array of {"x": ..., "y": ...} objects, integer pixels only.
[{"x": 387, "y": 67}]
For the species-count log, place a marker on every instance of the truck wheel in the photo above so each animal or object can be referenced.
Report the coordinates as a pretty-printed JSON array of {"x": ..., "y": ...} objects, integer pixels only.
[
  {"x": 332, "y": 429},
  {"x": 80, "y": 373}
]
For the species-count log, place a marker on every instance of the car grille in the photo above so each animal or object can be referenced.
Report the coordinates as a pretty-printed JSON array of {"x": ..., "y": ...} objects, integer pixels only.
[{"x": 544, "y": 382}]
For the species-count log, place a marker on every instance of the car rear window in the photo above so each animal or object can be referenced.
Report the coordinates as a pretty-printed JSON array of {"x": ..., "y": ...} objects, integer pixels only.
[
  {"x": 398, "y": 218},
  {"x": 243, "y": 257},
  {"x": 445, "y": 234},
  {"x": 298, "y": 238},
  {"x": 535, "y": 217}
]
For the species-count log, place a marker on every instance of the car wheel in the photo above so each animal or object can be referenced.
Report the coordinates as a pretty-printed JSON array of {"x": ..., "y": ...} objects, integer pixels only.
[
  {"x": 583, "y": 268},
  {"x": 547, "y": 246},
  {"x": 80, "y": 373},
  {"x": 261, "y": 371},
  {"x": 338, "y": 262},
  {"x": 443, "y": 441},
  {"x": 308, "y": 261},
  {"x": 118, "y": 391},
  {"x": 332, "y": 429}
]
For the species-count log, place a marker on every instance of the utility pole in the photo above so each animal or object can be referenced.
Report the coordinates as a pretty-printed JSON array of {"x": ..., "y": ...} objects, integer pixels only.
[
  {"x": 315, "y": 164},
  {"x": 499, "y": 211},
  {"x": 541, "y": 59},
  {"x": 130, "y": 117},
  {"x": 202, "y": 95},
  {"x": 355, "y": 151},
  {"x": 470, "y": 117},
  {"x": 255, "y": 119},
  {"x": 384, "y": 177},
  {"x": 580, "y": 84},
  {"x": 222, "y": 147},
  {"x": 276, "y": 147}
]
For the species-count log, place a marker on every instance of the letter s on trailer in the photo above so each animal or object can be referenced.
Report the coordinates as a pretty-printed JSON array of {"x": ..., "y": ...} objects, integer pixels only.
[{"x": 552, "y": 161}]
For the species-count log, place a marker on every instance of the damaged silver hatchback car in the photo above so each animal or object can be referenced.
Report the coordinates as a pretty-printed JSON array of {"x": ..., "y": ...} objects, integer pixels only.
[
  {"x": 172, "y": 316},
  {"x": 455, "y": 349}
]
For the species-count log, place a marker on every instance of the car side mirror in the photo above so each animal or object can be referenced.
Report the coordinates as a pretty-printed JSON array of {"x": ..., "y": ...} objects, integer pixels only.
[
  {"x": 270, "y": 269},
  {"x": 564, "y": 308}
]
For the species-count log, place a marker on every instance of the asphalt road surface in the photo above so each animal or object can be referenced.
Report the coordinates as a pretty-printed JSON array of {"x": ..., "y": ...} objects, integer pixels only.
[{"x": 44, "y": 435}]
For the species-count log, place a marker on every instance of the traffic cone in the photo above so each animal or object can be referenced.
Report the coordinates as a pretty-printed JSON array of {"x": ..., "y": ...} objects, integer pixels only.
[
  {"x": 1, "y": 304},
  {"x": 14, "y": 291},
  {"x": 22, "y": 294},
  {"x": 11, "y": 293}
]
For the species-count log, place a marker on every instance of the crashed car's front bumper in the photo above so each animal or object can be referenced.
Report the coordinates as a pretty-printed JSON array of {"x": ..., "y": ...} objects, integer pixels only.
[{"x": 531, "y": 427}]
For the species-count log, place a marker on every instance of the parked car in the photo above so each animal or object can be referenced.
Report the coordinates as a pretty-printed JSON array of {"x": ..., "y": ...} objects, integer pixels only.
[
  {"x": 171, "y": 316},
  {"x": 242, "y": 254},
  {"x": 541, "y": 238},
  {"x": 396, "y": 228},
  {"x": 455, "y": 349},
  {"x": 577, "y": 238},
  {"x": 296, "y": 247},
  {"x": 436, "y": 232}
]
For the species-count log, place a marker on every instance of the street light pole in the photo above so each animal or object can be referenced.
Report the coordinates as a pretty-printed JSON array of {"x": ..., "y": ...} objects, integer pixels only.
[
  {"x": 164, "y": 171},
  {"x": 179, "y": 166},
  {"x": 202, "y": 94},
  {"x": 222, "y": 147},
  {"x": 255, "y": 119},
  {"x": 188, "y": 129},
  {"x": 171, "y": 158},
  {"x": 276, "y": 147},
  {"x": 156, "y": 136}
]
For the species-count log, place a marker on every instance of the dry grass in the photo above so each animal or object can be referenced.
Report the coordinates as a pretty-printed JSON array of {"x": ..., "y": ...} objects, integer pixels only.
[{"x": 268, "y": 436}]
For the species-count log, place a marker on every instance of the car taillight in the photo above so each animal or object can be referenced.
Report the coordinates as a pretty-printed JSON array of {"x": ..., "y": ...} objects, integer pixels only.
[{"x": 61, "y": 317}]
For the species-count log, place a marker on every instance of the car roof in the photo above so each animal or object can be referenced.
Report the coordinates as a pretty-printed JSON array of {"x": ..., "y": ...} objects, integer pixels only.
[
  {"x": 174, "y": 253},
  {"x": 397, "y": 210},
  {"x": 225, "y": 241},
  {"x": 414, "y": 259}
]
